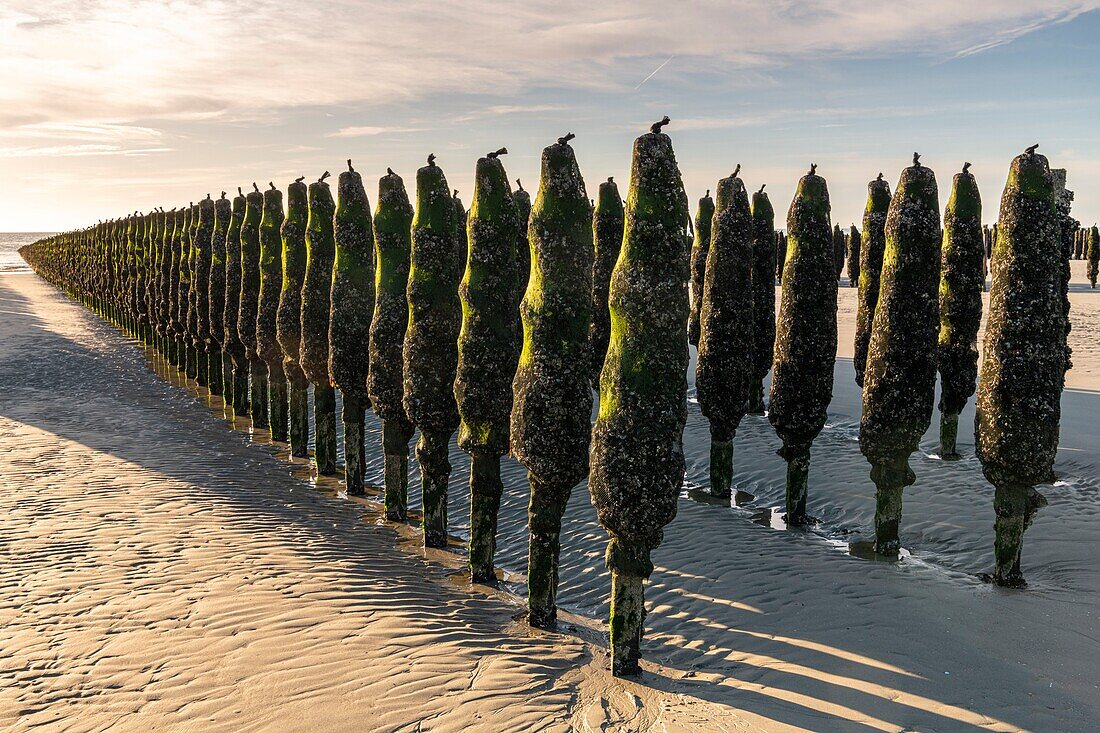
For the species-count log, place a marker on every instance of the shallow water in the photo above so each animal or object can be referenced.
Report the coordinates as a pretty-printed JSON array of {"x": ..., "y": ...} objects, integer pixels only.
[
  {"x": 10, "y": 242},
  {"x": 947, "y": 522}
]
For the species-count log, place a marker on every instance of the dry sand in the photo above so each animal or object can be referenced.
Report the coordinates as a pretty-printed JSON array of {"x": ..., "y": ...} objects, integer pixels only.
[
  {"x": 159, "y": 571},
  {"x": 1084, "y": 338}
]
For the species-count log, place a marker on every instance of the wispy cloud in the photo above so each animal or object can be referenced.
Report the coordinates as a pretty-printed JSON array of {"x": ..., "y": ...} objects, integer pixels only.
[
  {"x": 85, "y": 131},
  {"x": 368, "y": 130},
  {"x": 505, "y": 110},
  {"x": 39, "y": 23},
  {"x": 75, "y": 151}
]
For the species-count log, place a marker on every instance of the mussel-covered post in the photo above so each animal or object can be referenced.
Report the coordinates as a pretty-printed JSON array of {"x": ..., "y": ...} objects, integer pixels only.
[
  {"x": 1068, "y": 226},
  {"x": 352, "y": 306},
  {"x": 637, "y": 455},
  {"x": 763, "y": 297},
  {"x": 607, "y": 236},
  {"x": 216, "y": 297},
  {"x": 288, "y": 317},
  {"x": 872, "y": 245},
  {"x": 249, "y": 305},
  {"x": 523, "y": 252},
  {"x": 780, "y": 255},
  {"x": 186, "y": 346},
  {"x": 393, "y": 216},
  {"x": 153, "y": 222},
  {"x": 839, "y": 250},
  {"x": 232, "y": 339},
  {"x": 462, "y": 216},
  {"x": 204, "y": 233},
  {"x": 176, "y": 287},
  {"x": 1093, "y": 256},
  {"x": 961, "y": 282},
  {"x": 805, "y": 339},
  {"x": 431, "y": 340},
  {"x": 271, "y": 276},
  {"x": 900, "y": 383},
  {"x": 487, "y": 352},
  {"x": 700, "y": 247},
  {"x": 854, "y": 247},
  {"x": 316, "y": 298},
  {"x": 1023, "y": 364},
  {"x": 164, "y": 283},
  {"x": 553, "y": 399},
  {"x": 724, "y": 370},
  {"x": 136, "y": 245},
  {"x": 197, "y": 369}
]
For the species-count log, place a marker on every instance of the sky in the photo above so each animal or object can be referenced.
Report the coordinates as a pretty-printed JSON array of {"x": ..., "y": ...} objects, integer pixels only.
[{"x": 111, "y": 106}]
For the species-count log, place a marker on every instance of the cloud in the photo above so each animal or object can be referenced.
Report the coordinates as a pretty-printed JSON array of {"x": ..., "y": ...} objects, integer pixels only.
[
  {"x": 367, "y": 130},
  {"x": 39, "y": 23},
  {"x": 79, "y": 139},
  {"x": 86, "y": 131},
  {"x": 505, "y": 110},
  {"x": 142, "y": 59},
  {"x": 75, "y": 151}
]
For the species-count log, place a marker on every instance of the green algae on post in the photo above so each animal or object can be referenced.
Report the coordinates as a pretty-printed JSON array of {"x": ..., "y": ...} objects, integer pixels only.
[
  {"x": 487, "y": 352},
  {"x": 805, "y": 339},
  {"x": 431, "y": 340},
  {"x": 637, "y": 456},
  {"x": 352, "y": 306},
  {"x": 961, "y": 283},
  {"x": 699, "y": 249},
  {"x": 900, "y": 382},
  {"x": 553, "y": 399},
  {"x": 393, "y": 216},
  {"x": 607, "y": 238},
  {"x": 267, "y": 305},
  {"x": 763, "y": 297},
  {"x": 872, "y": 245},
  {"x": 316, "y": 294},
  {"x": 1023, "y": 364},
  {"x": 288, "y": 317},
  {"x": 724, "y": 370}
]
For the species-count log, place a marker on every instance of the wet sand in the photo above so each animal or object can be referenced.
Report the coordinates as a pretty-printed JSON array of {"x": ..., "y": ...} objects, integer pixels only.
[{"x": 161, "y": 570}]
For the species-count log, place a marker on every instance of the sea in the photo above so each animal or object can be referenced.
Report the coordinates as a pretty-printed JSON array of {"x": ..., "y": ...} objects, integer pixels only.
[{"x": 10, "y": 242}]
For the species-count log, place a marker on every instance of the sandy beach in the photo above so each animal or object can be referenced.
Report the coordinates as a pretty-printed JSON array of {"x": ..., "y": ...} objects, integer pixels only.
[{"x": 161, "y": 569}]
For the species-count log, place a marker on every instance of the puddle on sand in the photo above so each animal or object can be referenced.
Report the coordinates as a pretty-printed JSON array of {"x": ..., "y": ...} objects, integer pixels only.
[
  {"x": 461, "y": 577},
  {"x": 775, "y": 517},
  {"x": 703, "y": 496},
  {"x": 865, "y": 550}
]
